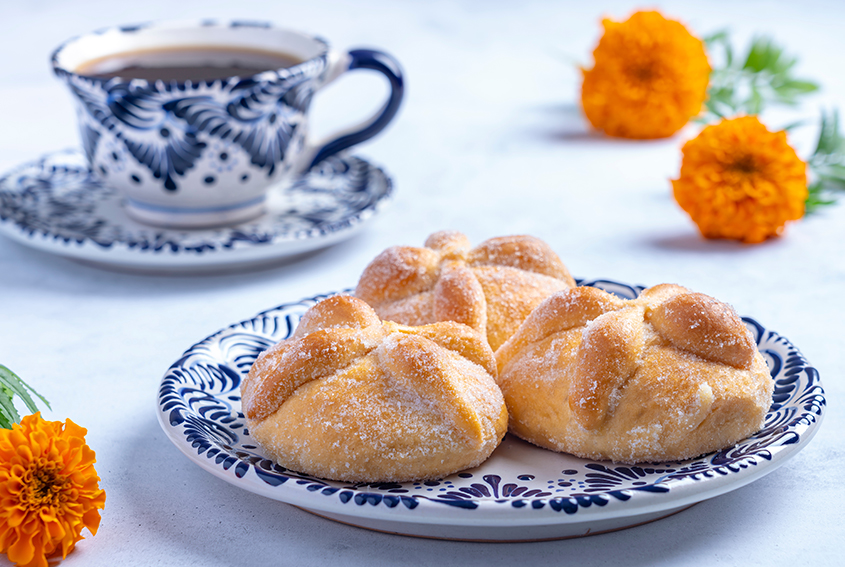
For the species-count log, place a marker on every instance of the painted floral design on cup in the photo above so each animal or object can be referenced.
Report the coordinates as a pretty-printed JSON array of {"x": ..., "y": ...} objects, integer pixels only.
[{"x": 169, "y": 132}]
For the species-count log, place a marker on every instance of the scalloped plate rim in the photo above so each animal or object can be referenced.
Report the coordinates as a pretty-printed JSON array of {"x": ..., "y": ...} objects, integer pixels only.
[{"x": 456, "y": 517}]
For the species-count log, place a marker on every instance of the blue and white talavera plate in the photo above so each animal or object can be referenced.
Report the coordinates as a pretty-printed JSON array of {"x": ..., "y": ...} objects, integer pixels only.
[
  {"x": 521, "y": 493},
  {"x": 56, "y": 204}
]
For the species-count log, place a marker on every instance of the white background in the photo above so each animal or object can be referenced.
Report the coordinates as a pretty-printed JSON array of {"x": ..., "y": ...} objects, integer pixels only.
[{"x": 489, "y": 141}]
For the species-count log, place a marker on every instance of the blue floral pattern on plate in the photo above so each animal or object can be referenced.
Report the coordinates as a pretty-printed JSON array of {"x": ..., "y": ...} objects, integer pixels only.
[
  {"x": 57, "y": 204},
  {"x": 199, "y": 409}
]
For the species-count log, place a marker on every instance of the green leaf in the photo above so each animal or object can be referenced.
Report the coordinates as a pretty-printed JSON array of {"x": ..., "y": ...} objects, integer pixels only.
[
  {"x": 754, "y": 104},
  {"x": 723, "y": 95},
  {"x": 826, "y": 165},
  {"x": 12, "y": 386},
  {"x": 832, "y": 184},
  {"x": 812, "y": 206},
  {"x": 762, "y": 55},
  {"x": 8, "y": 413},
  {"x": 794, "y": 85},
  {"x": 766, "y": 55},
  {"x": 793, "y": 125},
  {"x": 830, "y": 141},
  {"x": 788, "y": 91},
  {"x": 720, "y": 36},
  {"x": 834, "y": 171},
  {"x": 763, "y": 77},
  {"x": 816, "y": 199}
]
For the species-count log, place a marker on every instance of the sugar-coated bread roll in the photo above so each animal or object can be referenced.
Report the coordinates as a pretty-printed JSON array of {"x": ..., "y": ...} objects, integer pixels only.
[
  {"x": 670, "y": 375},
  {"x": 491, "y": 287},
  {"x": 350, "y": 397}
]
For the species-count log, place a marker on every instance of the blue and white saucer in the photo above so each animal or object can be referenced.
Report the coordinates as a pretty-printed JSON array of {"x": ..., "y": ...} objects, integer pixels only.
[{"x": 56, "y": 204}]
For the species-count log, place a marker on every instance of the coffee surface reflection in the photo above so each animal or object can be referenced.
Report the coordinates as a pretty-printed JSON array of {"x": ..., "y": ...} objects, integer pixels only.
[{"x": 195, "y": 63}]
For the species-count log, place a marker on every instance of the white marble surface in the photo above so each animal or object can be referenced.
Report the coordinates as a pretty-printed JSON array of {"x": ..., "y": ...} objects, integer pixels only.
[{"x": 489, "y": 141}]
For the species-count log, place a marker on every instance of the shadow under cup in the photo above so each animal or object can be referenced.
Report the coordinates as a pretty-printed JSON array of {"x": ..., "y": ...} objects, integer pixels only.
[{"x": 203, "y": 152}]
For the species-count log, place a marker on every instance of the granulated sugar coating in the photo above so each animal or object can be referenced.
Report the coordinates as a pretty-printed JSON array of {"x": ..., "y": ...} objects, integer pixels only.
[
  {"x": 380, "y": 402},
  {"x": 668, "y": 376},
  {"x": 491, "y": 287}
]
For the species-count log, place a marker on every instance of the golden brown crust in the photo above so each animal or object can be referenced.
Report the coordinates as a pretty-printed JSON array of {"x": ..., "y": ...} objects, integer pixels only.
[
  {"x": 458, "y": 296},
  {"x": 448, "y": 241},
  {"x": 337, "y": 311},
  {"x": 373, "y": 401},
  {"x": 562, "y": 311},
  {"x": 659, "y": 293},
  {"x": 491, "y": 287},
  {"x": 523, "y": 252},
  {"x": 313, "y": 356},
  {"x": 610, "y": 346},
  {"x": 701, "y": 325},
  {"x": 668, "y": 376},
  {"x": 457, "y": 338},
  {"x": 397, "y": 273},
  {"x": 425, "y": 370}
]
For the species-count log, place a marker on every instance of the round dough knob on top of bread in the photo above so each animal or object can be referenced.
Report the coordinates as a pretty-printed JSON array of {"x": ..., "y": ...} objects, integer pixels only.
[
  {"x": 353, "y": 398},
  {"x": 670, "y": 375},
  {"x": 491, "y": 287}
]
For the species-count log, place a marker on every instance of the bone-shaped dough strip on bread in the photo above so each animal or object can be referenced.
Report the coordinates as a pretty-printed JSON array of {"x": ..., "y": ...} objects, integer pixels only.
[
  {"x": 703, "y": 326},
  {"x": 607, "y": 357},
  {"x": 659, "y": 293},
  {"x": 314, "y": 350},
  {"x": 398, "y": 272},
  {"x": 337, "y": 311},
  {"x": 459, "y": 297},
  {"x": 317, "y": 354},
  {"x": 450, "y": 243}
]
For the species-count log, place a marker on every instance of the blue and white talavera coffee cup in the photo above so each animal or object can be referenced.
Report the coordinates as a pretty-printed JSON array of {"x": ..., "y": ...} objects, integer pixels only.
[{"x": 199, "y": 154}]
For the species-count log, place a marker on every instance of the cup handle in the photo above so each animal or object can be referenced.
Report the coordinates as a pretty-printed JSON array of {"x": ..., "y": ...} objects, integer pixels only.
[{"x": 359, "y": 59}]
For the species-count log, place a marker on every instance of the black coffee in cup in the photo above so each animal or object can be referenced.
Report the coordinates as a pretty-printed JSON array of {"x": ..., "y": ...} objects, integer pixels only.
[{"x": 190, "y": 63}]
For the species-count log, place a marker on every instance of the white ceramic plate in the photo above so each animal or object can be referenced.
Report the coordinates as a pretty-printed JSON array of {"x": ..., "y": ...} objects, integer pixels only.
[
  {"x": 521, "y": 493},
  {"x": 56, "y": 204}
]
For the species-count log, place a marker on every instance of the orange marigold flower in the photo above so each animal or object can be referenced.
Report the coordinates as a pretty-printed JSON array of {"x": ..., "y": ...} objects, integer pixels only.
[
  {"x": 740, "y": 181},
  {"x": 649, "y": 78},
  {"x": 49, "y": 490}
]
